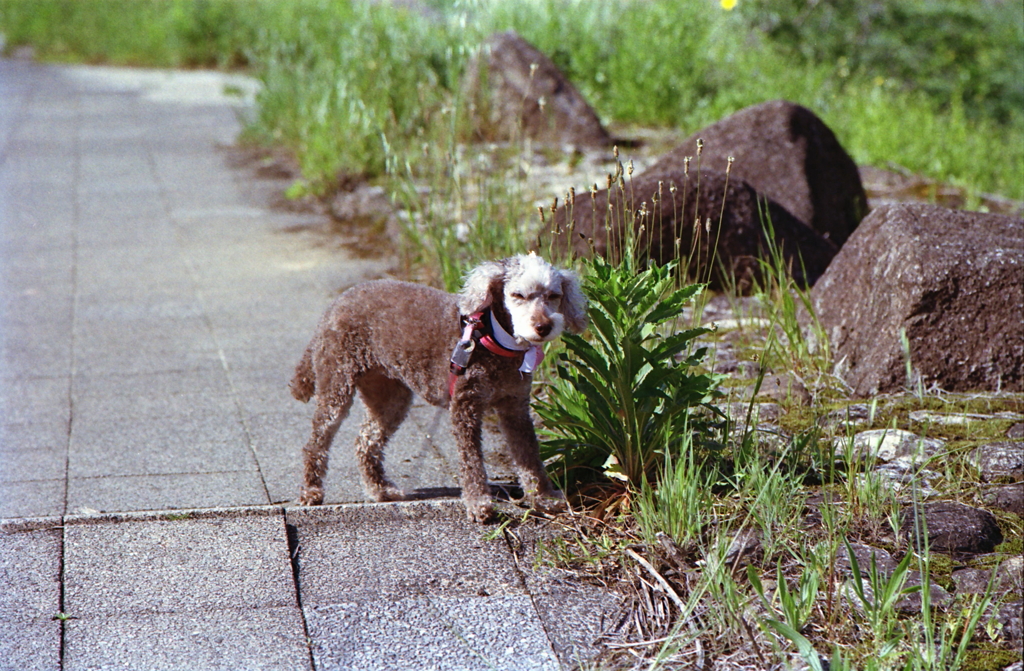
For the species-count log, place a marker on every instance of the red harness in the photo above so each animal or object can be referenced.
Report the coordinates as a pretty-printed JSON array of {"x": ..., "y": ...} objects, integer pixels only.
[{"x": 476, "y": 329}]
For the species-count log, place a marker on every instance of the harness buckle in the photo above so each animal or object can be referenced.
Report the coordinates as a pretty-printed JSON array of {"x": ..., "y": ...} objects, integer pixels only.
[{"x": 460, "y": 355}]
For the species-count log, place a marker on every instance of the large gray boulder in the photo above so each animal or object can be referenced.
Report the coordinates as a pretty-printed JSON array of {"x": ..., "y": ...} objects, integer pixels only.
[
  {"x": 952, "y": 280},
  {"x": 786, "y": 152},
  {"x": 662, "y": 207},
  {"x": 516, "y": 92}
]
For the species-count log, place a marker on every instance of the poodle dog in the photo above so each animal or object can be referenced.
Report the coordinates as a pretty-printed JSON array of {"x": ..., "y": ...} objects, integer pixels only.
[{"x": 469, "y": 352}]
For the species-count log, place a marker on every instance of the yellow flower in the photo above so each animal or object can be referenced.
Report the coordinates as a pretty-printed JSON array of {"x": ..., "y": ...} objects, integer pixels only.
[{"x": 727, "y": 5}]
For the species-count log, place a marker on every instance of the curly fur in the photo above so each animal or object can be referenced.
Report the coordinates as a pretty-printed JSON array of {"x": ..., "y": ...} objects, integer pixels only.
[{"x": 389, "y": 340}]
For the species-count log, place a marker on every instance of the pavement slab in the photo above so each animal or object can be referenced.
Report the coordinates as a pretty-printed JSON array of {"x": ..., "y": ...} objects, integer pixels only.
[
  {"x": 228, "y": 562},
  {"x": 453, "y": 634},
  {"x": 268, "y": 639},
  {"x": 395, "y": 551},
  {"x": 30, "y": 587},
  {"x": 165, "y": 491},
  {"x": 413, "y": 586},
  {"x": 181, "y": 591}
]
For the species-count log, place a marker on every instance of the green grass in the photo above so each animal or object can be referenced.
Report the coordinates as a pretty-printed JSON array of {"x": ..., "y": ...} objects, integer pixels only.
[
  {"x": 966, "y": 50},
  {"x": 171, "y": 33},
  {"x": 350, "y": 87}
]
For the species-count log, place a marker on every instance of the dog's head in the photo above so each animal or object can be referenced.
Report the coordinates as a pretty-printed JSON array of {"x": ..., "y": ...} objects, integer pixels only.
[{"x": 541, "y": 301}]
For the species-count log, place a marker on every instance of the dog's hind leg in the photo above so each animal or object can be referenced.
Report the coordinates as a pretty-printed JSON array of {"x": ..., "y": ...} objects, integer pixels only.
[
  {"x": 303, "y": 384},
  {"x": 332, "y": 408},
  {"x": 387, "y": 404}
]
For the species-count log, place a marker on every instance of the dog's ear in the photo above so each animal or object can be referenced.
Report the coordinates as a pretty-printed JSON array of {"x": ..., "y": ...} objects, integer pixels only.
[
  {"x": 574, "y": 303},
  {"x": 482, "y": 284}
]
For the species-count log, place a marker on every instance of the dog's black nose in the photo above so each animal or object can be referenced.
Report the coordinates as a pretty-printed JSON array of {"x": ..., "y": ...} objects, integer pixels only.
[{"x": 543, "y": 330}]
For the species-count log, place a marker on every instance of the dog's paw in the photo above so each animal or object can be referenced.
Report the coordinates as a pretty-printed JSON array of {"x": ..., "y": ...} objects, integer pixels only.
[
  {"x": 479, "y": 510},
  {"x": 311, "y": 496},
  {"x": 388, "y": 492},
  {"x": 549, "y": 503}
]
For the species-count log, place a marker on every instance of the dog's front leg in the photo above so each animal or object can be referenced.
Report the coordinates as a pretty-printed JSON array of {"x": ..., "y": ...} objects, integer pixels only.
[
  {"x": 472, "y": 476},
  {"x": 521, "y": 441}
]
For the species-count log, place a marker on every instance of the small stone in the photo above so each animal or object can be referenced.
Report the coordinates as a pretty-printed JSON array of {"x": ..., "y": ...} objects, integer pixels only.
[
  {"x": 724, "y": 361},
  {"x": 971, "y": 580},
  {"x": 911, "y": 603},
  {"x": 767, "y": 413},
  {"x": 995, "y": 461},
  {"x": 884, "y": 563},
  {"x": 975, "y": 580},
  {"x": 901, "y": 475},
  {"x": 886, "y": 444},
  {"x": 906, "y": 487},
  {"x": 765, "y": 436},
  {"x": 747, "y": 370},
  {"x": 365, "y": 202},
  {"x": 905, "y": 471},
  {"x": 953, "y": 528},
  {"x": 1010, "y": 574},
  {"x": 784, "y": 388},
  {"x": 956, "y": 418},
  {"x": 1016, "y": 432},
  {"x": 745, "y": 547},
  {"x": 1006, "y": 497},
  {"x": 1010, "y": 617},
  {"x": 852, "y": 415}
]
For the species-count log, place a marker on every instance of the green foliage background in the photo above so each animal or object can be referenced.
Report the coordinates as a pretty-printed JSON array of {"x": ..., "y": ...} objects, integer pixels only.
[{"x": 935, "y": 87}]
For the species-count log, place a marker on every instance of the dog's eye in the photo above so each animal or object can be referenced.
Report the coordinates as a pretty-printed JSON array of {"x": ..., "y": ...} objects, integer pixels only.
[
  {"x": 518, "y": 296},
  {"x": 555, "y": 297}
]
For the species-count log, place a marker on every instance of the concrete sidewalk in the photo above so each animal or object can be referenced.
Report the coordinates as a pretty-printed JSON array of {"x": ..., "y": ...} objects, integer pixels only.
[{"x": 152, "y": 306}]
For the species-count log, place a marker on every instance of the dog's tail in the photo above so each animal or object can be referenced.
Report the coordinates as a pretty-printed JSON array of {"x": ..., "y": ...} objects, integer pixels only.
[{"x": 303, "y": 384}]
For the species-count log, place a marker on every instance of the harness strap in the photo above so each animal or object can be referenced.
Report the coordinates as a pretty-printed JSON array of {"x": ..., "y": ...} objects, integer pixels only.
[
  {"x": 488, "y": 341},
  {"x": 478, "y": 329},
  {"x": 452, "y": 378}
]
